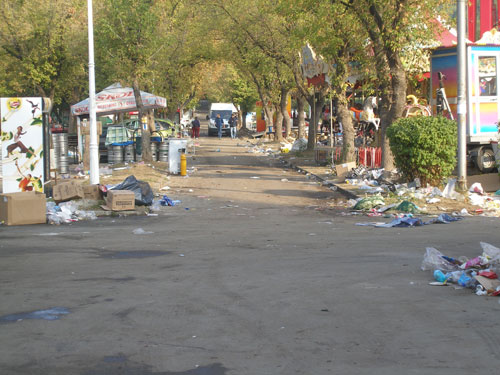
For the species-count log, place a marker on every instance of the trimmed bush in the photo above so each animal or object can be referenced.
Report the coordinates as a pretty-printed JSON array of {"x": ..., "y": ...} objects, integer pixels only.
[{"x": 424, "y": 147}]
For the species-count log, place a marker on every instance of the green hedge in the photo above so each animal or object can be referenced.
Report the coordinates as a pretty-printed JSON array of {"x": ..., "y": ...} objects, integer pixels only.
[{"x": 424, "y": 148}]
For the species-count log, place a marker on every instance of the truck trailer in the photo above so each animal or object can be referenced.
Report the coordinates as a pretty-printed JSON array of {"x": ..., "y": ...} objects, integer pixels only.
[{"x": 483, "y": 100}]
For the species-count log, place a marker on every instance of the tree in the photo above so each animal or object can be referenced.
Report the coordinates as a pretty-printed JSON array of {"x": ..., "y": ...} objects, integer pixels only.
[
  {"x": 41, "y": 49},
  {"x": 391, "y": 25},
  {"x": 245, "y": 96},
  {"x": 127, "y": 40}
]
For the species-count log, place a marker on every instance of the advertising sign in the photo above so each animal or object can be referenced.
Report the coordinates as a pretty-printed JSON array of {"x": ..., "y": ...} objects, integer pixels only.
[{"x": 21, "y": 144}]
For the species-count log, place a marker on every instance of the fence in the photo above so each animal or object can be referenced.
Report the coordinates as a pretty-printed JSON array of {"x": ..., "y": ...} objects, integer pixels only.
[{"x": 370, "y": 157}]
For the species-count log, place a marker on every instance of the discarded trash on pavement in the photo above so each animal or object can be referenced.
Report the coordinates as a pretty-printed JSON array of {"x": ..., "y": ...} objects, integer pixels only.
[
  {"x": 141, "y": 189},
  {"x": 479, "y": 273}
]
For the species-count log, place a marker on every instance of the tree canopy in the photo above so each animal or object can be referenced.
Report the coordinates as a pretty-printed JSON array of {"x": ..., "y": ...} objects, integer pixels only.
[{"x": 222, "y": 50}]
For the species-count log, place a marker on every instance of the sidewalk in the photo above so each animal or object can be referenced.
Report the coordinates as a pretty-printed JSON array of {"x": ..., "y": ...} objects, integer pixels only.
[{"x": 322, "y": 173}]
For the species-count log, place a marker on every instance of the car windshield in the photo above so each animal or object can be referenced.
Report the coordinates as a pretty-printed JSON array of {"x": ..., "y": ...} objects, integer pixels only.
[{"x": 226, "y": 115}]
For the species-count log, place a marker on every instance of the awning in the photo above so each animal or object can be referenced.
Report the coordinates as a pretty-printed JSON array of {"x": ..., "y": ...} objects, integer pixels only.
[{"x": 116, "y": 99}]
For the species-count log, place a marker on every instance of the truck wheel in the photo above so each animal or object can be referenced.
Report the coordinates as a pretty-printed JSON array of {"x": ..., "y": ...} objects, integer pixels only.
[{"x": 485, "y": 160}]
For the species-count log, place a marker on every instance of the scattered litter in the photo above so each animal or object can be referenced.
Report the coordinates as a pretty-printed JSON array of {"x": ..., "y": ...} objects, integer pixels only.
[
  {"x": 479, "y": 273},
  {"x": 433, "y": 200},
  {"x": 165, "y": 188},
  {"x": 299, "y": 145},
  {"x": 449, "y": 190},
  {"x": 49, "y": 314},
  {"x": 476, "y": 188},
  {"x": 142, "y": 190},
  {"x": 284, "y": 180},
  {"x": 68, "y": 212},
  {"x": 408, "y": 207},
  {"x": 141, "y": 231},
  {"x": 255, "y": 177},
  {"x": 166, "y": 201},
  {"x": 369, "y": 203},
  {"x": 410, "y": 221}
]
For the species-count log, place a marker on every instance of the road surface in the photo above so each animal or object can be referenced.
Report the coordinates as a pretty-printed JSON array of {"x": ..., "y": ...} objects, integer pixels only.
[{"x": 257, "y": 271}]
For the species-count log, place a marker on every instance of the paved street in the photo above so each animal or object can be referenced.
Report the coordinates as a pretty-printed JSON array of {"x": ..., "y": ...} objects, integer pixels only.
[{"x": 249, "y": 275}]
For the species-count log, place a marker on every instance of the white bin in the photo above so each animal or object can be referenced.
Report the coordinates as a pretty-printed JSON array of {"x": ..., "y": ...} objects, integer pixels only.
[{"x": 175, "y": 148}]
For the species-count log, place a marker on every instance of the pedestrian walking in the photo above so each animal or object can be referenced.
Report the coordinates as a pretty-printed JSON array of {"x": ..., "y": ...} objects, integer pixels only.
[
  {"x": 233, "y": 125},
  {"x": 218, "y": 124},
  {"x": 195, "y": 128}
]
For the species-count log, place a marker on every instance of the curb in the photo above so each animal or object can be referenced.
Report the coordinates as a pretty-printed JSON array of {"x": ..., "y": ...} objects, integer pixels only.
[{"x": 348, "y": 194}]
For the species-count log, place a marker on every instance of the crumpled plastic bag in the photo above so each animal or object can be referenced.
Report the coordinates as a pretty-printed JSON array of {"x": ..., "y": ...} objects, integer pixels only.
[
  {"x": 369, "y": 203},
  {"x": 434, "y": 260},
  {"x": 142, "y": 190},
  {"x": 449, "y": 190},
  {"x": 299, "y": 145},
  {"x": 408, "y": 207},
  {"x": 476, "y": 188},
  {"x": 491, "y": 252}
]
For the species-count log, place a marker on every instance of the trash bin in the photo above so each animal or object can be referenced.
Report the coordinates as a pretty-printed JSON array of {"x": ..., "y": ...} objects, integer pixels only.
[{"x": 175, "y": 148}]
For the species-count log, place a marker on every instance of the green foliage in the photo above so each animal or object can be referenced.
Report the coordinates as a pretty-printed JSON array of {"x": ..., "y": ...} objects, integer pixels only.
[
  {"x": 424, "y": 147},
  {"x": 244, "y": 94}
]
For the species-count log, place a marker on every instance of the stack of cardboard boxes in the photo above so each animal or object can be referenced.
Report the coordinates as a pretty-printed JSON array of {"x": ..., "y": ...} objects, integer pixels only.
[{"x": 30, "y": 207}]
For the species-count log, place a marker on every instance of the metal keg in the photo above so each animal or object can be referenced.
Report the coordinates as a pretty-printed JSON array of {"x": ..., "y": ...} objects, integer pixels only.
[
  {"x": 63, "y": 164},
  {"x": 117, "y": 154},
  {"x": 154, "y": 151},
  {"x": 111, "y": 158},
  {"x": 60, "y": 142},
  {"x": 138, "y": 157},
  {"x": 129, "y": 153},
  {"x": 163, "y": 151}
]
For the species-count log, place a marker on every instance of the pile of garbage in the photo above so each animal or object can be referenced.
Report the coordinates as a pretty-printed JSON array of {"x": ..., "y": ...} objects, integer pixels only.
[
  {"x": 479, "y": 273},
  {"x": 69, "y": 212},
  {"x": 379, "y": 181},
  {"x": 297, "y": 145}
]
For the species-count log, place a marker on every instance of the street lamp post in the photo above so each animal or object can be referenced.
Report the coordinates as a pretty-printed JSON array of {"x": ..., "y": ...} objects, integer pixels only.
[
  {"x": 461, "y": 96},
  {"x": 93, "y": 144}
]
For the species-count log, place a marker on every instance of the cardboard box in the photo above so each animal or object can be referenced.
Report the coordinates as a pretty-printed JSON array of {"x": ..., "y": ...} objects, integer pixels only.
[
  {"x": 23, "y": 208},
  {"x": 342, "y": 169},
  {"x": 120, "y": 200},
  {"x": 66, "y": 191},
  {"x": 91, "y": 192}
]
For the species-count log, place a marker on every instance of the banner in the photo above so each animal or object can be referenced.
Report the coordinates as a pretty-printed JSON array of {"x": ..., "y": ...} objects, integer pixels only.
[{"x": 21, "y": 144}]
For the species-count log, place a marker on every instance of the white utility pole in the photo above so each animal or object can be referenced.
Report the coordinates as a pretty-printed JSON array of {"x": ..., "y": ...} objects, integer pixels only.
[
  {"x": 93, "y": 144},
  {"x": 461, "y": 95}
]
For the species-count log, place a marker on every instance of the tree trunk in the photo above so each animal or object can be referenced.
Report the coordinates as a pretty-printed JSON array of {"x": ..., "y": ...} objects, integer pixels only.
[
  {"x": 284, "y": 112},
  {"x": 243, "y": 121},
  {"x": 301, "y": 102},
  {"x": 278, "y": 126},
  {"x": 145, "y": 135},
  {"x": 313, "y": 123},
  {"x": 344, "y": 116}
]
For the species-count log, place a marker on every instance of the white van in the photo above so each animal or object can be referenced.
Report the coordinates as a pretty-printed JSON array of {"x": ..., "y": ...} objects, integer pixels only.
[{"x": 225, "y": 110}]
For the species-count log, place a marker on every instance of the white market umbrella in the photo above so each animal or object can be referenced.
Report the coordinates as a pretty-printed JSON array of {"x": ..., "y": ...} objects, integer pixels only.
[{"x": 116, "y": 99}]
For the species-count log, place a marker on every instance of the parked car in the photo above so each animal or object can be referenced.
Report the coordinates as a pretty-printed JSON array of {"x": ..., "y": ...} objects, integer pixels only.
[{"x": 165, "y": 127}]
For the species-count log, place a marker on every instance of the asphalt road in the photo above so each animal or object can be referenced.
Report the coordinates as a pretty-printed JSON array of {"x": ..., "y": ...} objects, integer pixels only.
[{"x": 270, "y": 279}]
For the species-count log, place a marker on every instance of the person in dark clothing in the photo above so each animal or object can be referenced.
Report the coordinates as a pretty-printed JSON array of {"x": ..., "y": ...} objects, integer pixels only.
[
  {"x": 233, "y": 123},
  {"x": 195, "y": 128},
  {"x": 218, "y": 124}
]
